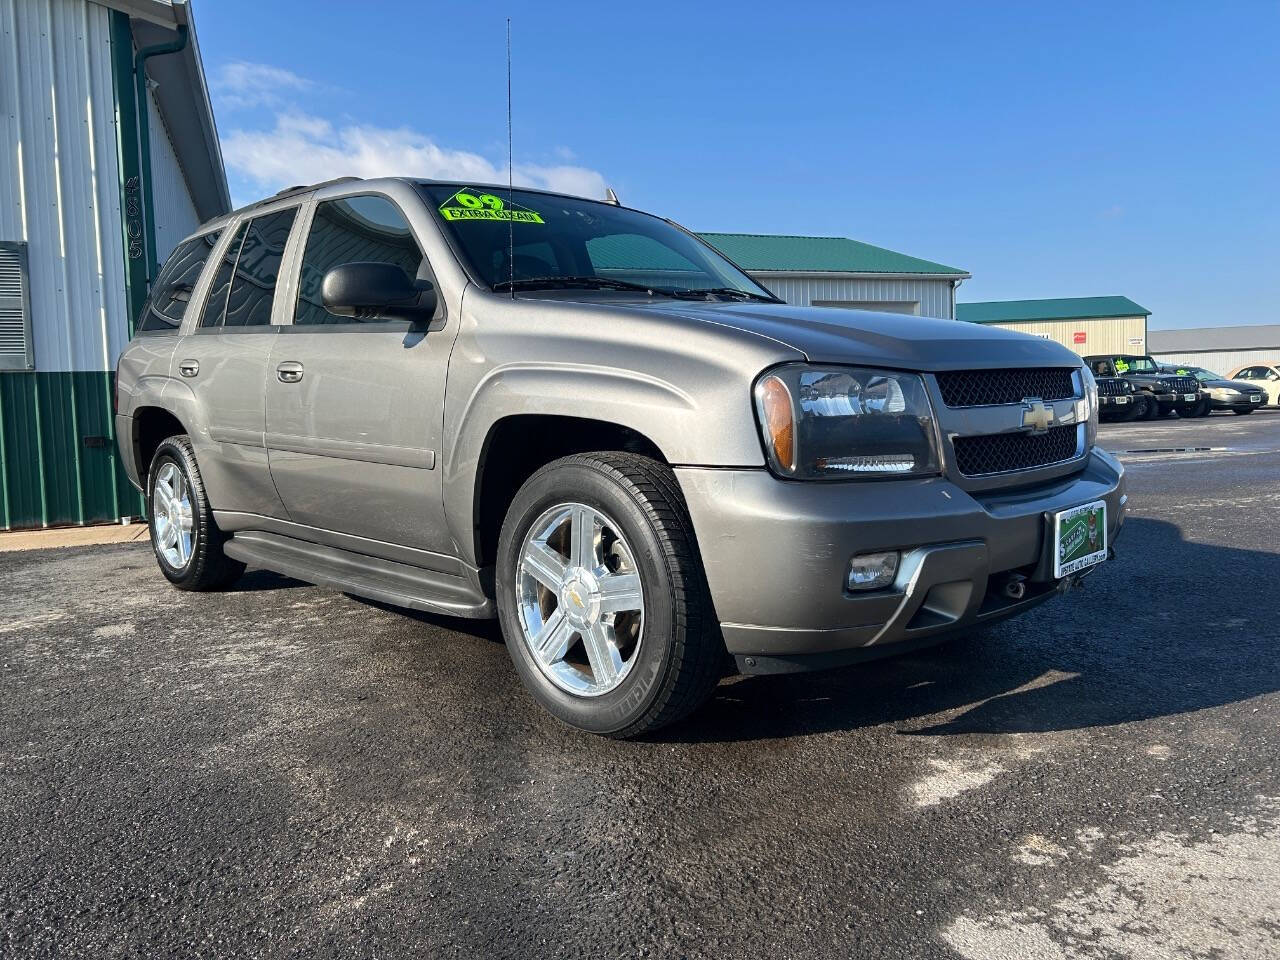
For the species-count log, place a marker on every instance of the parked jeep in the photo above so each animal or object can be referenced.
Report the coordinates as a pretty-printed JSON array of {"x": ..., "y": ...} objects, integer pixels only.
[
  {"x": 580, "y": 418},
  {"x": 1158, "y": 393},
  {"x": 1118, "y": 400}
]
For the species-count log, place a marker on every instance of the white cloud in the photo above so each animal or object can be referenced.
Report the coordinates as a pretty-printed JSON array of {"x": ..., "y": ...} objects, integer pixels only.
[
  {"x": 244, "y": 84},
  {"x": 302, "y": 148}
]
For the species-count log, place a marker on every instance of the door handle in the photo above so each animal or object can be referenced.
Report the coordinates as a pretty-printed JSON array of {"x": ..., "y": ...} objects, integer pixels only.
[
  {"x": 189, "y": 368},
  {"x": 289, "y": 372}
]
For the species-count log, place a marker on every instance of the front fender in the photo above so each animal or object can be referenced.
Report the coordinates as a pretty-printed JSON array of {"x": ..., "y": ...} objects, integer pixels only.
[{"x": 683, "y": 386}]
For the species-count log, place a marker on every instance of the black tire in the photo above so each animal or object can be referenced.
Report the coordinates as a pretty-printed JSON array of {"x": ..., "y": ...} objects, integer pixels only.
[
  {"x": 1152, "y": 411},
  {"x": 681, "y": 656},
  {"x": 1245, "y": 412},
  {"x": 1133, "y": 411},
  {"x": 207, "y": 567},
  {"x": 1203, "y": 408}
]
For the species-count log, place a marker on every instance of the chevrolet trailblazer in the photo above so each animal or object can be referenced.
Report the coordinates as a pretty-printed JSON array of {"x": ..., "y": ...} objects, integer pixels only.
[{"x": 583, "y": 420}]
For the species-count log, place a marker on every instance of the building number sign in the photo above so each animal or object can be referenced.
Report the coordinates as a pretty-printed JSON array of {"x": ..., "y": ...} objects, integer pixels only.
[{"x": 133, "y": 217}]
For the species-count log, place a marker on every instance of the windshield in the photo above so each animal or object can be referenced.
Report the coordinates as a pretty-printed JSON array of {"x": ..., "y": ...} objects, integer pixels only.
[
  {"x": 536, "y": 241},
  {"x": 1135, "y": 365}
]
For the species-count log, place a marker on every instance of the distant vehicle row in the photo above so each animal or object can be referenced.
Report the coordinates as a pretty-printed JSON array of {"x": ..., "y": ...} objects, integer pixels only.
[{"x": 1134, "y": 387}]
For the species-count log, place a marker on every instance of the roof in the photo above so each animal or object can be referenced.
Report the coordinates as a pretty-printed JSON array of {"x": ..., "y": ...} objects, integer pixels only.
[
  {"x": 182, "y": 97},
  {"x": 1062, "y": 308},
  {"x": 1258, "y": 336},
  {"x": 760, "y": 252}
]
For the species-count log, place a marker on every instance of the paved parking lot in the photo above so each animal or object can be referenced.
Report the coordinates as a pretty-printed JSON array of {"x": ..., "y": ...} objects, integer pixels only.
[{"x": 283, "y": 769}]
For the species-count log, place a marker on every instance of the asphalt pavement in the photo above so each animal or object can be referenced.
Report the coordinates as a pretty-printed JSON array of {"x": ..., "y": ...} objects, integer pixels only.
[{"x": 283, "y": 770}]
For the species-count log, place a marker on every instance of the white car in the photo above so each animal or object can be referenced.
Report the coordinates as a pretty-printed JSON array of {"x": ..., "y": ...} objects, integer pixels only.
[{"x": 1263, "y": 375}]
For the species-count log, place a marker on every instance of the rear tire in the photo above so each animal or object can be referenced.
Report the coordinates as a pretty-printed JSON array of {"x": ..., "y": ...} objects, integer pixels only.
[
  {"x": 186, "y": 541},
  {"x": 659, "y": 663}
]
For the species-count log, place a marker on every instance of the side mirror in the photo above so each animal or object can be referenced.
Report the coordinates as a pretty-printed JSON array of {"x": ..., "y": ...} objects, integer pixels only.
[{"x": 369, "y": 290}]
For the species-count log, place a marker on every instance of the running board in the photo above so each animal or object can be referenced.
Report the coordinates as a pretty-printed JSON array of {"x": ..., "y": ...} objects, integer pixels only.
[{"x": 386, "y": 581}]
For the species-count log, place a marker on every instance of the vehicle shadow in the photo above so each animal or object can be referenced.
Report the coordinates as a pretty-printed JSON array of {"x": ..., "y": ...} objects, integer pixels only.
[
  {"x": 256, "y": 580},
  {"x": 481, "y": 629},
  {"x": 1142, "y": 639}
]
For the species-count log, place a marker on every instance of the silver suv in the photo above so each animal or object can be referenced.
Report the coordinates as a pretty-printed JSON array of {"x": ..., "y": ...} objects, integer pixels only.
[{"x": 582, "y": 419}]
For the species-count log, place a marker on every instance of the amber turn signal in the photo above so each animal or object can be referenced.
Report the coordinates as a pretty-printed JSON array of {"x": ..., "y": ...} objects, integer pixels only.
[{"x": 779, "y": 421}]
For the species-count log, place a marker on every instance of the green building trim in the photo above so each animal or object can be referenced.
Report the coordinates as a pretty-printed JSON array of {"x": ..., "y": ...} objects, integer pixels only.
[{"x": 57, "y": 440}]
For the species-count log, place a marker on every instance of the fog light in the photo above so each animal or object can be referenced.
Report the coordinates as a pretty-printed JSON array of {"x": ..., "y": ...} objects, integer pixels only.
[{"x": 871, "y": 571}]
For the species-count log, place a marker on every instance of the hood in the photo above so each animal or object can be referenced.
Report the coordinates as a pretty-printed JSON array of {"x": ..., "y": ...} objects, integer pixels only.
[
  {"x": 1230, "y": 385},
  {"x": 833, "y": 335}
]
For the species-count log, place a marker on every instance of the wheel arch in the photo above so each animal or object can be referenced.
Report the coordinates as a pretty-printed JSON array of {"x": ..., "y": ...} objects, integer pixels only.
[
  {"x": 517, "y": 445},
  {"x": 152, "y": 425}
]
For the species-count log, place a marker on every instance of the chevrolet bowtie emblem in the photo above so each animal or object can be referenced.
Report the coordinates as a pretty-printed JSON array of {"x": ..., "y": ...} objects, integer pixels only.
[{"x": 1036, "y": 417}]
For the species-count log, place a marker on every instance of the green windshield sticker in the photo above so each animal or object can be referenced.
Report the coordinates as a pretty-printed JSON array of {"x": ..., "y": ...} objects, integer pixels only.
[
  {"x": 469, "y": 205},
  {"x": 1121, "y": 366}
]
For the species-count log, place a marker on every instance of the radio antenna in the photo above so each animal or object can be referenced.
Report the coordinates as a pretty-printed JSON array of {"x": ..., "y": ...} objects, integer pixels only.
[{"x": 511, "y": 224}]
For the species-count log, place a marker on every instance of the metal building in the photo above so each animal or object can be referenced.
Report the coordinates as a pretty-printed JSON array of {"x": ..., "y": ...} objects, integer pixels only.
[
  {"x": 838, "y": 272},
  {"x": 1087, "y": 325},
  {"x": 1220, "y": 349},
  {"x": 108, "y": 157}
]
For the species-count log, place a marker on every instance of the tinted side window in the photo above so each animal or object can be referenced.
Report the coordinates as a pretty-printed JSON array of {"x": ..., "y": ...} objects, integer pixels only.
[
  {"x": 351, "y": 230},
  {"x": 171, "y": 291},
  {"x": 216, "y": 303},
  {"x": 253, "y": 287}
]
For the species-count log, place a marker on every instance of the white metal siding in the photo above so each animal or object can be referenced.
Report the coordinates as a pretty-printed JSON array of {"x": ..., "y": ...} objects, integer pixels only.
[
  {"x": 175, "y": 213},
  {"x": 59, "y": 177},
  {"x": 934, "y": 296},
  {"x": 1220, "y": 361},
  {"x": 1105, "y": 335}
]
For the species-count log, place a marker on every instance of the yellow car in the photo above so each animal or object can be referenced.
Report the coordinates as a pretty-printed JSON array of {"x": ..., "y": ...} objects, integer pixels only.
[{"x": 1263, "y": 375}]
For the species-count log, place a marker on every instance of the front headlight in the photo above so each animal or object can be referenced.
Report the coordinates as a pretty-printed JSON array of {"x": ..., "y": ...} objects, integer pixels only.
[
  {"x": 1091, "y": 401},
  {"x": 843, "y": 423}
]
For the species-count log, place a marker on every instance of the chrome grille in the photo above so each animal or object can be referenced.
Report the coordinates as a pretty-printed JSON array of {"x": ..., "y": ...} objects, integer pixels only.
[
  {"x": 1005, "y": 452},
  {"x": 980, "y": 388}
]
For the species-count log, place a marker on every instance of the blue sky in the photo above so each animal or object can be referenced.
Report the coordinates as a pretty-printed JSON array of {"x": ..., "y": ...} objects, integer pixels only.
[{"x": 1051, "y": 150}]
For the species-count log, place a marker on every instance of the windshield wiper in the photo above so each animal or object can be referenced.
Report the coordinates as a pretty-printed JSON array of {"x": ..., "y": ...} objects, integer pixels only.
[
  {"x": 697, "y": 293},
  {"x": 553, "y": 283}
]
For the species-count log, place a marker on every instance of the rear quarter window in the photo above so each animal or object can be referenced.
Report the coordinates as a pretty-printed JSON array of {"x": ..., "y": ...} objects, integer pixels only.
[{"x": 171, "y": 292}]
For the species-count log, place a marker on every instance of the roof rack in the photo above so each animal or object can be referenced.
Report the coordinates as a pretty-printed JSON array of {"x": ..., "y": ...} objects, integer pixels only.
[{"x": 299, "y": 188}]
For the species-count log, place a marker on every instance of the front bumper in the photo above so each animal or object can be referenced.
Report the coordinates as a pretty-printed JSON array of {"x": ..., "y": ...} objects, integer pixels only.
[
  {"x": 776, "y": 554},
  {"x": 1236, "y": 403}
]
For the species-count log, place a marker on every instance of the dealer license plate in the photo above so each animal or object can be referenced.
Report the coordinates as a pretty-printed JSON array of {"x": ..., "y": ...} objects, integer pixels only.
[
  {"x": 1256, "y": 398},
  {"x": 1122, "y": 399},
  {"x": 1079, "y": 538},
  {"x": 1188, "y": 397}
]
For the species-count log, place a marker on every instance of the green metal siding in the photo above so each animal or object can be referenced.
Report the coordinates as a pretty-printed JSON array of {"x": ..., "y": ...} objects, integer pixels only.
[{"x": 48, "y": 475}]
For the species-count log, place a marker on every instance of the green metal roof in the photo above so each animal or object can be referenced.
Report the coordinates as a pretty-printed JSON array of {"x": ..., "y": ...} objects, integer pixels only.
[
  {"x": 1062, "y": 308},
  {"x": 755, "y": 251}
]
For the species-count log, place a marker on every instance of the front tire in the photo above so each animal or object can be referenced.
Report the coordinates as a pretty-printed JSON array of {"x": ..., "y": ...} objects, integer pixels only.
[
  {"x": 1245, "y": 412},
  {"x": 602, "y": 598},
  {"x": 186, "y": 541},
  {"x": 1152, "y": 411}
]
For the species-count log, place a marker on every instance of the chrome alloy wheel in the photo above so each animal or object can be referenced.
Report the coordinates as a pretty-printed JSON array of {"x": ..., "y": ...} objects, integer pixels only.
[
  {"x": 171, "y": 516},
  {"x": 580, "y": 600}
]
